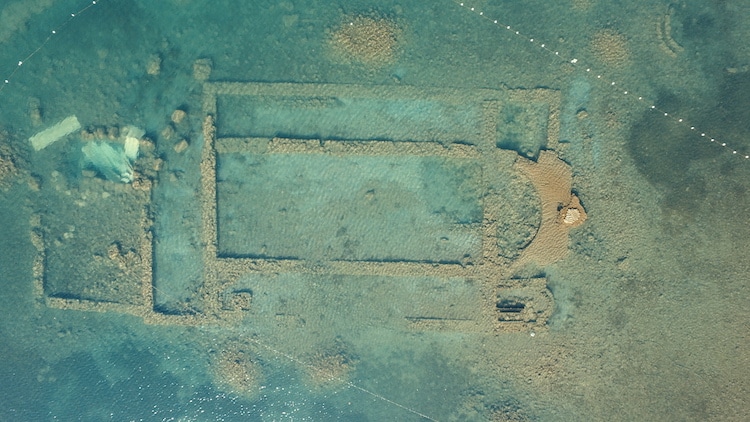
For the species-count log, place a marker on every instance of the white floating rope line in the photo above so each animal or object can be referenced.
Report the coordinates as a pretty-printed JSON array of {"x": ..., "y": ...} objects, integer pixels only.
[
  {"x": 575, "y": 62},
  {"x": 52, "y": 33},
  {"x": 340, "y": 379},
  {"x": 301, "y": 363}
]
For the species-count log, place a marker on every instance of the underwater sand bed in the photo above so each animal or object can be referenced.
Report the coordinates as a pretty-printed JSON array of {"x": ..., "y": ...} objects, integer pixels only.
[
  {"x": 96, "y": 243},
  {"x": 356, "y": 208}
]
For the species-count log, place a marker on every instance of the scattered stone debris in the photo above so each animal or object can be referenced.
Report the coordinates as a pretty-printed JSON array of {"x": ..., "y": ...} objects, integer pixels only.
[
  {"x": 153, "y": 67},
  {"x": 202, "y": 69},
  {"x": 178, "y": 116}
]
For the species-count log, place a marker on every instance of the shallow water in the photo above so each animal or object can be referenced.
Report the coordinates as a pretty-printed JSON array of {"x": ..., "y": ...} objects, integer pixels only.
[{"x": 367, "y": 211}]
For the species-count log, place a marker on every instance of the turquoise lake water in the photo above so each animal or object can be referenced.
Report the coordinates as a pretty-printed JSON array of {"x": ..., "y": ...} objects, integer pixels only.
[{"x": 339, "y": 211}]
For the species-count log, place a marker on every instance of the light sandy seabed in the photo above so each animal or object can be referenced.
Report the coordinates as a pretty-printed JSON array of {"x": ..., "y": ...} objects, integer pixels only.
[{"x": 168, "y": 297}]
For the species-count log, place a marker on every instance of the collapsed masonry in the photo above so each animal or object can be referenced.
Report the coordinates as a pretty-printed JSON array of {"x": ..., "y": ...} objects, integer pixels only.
[{"x": 403, "y": 205}]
